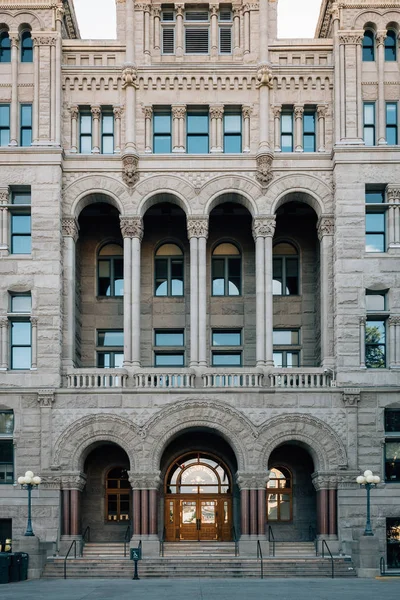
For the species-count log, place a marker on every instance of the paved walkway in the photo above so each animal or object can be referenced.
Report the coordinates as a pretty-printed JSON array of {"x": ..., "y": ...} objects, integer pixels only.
[{"x": 202, "y": 589}]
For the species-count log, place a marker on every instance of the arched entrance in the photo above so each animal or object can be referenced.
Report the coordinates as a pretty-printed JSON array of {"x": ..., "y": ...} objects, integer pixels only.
[{"x": 200, "y": 496}]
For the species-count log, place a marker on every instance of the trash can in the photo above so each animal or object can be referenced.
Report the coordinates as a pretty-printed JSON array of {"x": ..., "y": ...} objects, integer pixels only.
[
  {"x": 15, "y": 561},
  {"x": 4, "y": 567},
  {"x": 24, "y": 566}
]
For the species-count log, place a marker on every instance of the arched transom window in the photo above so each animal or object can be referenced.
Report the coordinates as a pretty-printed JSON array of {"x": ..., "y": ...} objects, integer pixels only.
[
  {"x": 117, "y": 495},
  {"x": 198, "y": 474},
  {"x": 26, "y": 47},
  {"x": 168, "y": 270},
  {"x": 226, "y": 270},
  {"x": 368, "y": 46},
  {"x": 5, "y": 47},
  {"x": 110, "y": 271},
  {"x": 279, "y": 495},
  {"x": 285, "y": 270}
]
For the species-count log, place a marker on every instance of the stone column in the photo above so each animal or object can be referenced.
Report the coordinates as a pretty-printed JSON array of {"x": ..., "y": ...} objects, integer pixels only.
[
  {"x": 341, "y": 76},
  {"x": 321, "y": 113},
  {"x": 198, "y": 229},
  {"x": 394, "y": 341},
  {"x": 351, "y": 398},
  {"x": 298, "y": 115},
  {"x": 351, "y": 69},
  {"x": 179, "y": 8},
  {"x": 145, "y": 521},
  {"x": 36, "y": 83},
  {"x": 397, "y": 341},
  {"x": 96, "y": 114},
  {"x": 262, "y": 511},
  {"x": 244, "y": 512},
  {"x": 332, "y": 525},
  {"x": 66, "y": 506},
  {"x": 156, "y": 31},
  {"x": 236, "y": 32},
  {"x": 72, "y": 486},
  {"x": 70, "y": 231},
  {"x": 325, "y": 229},
  {"x": 53, "y": 107},
  {"x": 253, "y": 512},
  {"x": 214, "y": 30},
  {"x": 359, "y": 99},
  {"x": 4, "y": 200},
  {"x": 246, "y": 113},
  {"x": 263, "y": 31},
  {"x": 322, "y": 510},
  {"x": 337, "y": 79},
  {"x": 130, "y": 161},
  {"x": 264, "y": 84},
  {"x": 363, "y": 321},
  {"x": 194, "y": 295},
  {"x": 148, "y": 117},
  {"x": 178, "y": 127},
  {"x": 4, "y": 343},
  {"x": 246, "y": 26},
  {"x": 75, "y": 510},
  {"x": 14, "y": 39},
  {"x": 74, "y": 110},
  {"x": 144, "y": 512},
  {"x": 381, "y": 107},
  {"x": 58, "y": 98},
  {"x": 132, "y": 232},
  {"x": 153, "y": 526},
  {"x": 146, "y": 17},
  {"x": 216, "y": 116},
  {"x": 277, "y": 127},
  {"x": 136, "y": 513},
  {"x": 34, "y": 322},
  {"x": 117, "y": 111},
  {"x": 393, "y": 199},
  {"x": 46, "y": 42},
  {"x": 45, "y": 401}
]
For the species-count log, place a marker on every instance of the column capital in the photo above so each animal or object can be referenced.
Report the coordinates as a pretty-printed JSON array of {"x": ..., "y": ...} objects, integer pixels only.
[
  {"x": 298, "y": 111},
  {"x": 321, "y": 481},
  {"x": 45, "y": 398},
  {"x": 132, "y": 227},
  {"x": 70, "y": 228},
  {"x": 179, "y": 8},
  {"x": 351, "y": 397},
  {"x": 381, "y": 37},
  {"x": 117, "y": 111},
  {"x": 14, "y": 38},
  {"x": 144, "y": 481},
  {"x": 144, "y": 6},
  {"x": 393, "y": 192},
  {"x": 325, "y": 226},
  {"x": 263, "y": 227},
  {"x": 34, "y": 321},
  {"x": 148, "y": 112},
  {"x": 394, "y": 320},
  {"x": 95, "y": 109},
  {"x": 157, "y": 11},
  {"x": 362, "y": 320},
  {"x": 60, "y": 12},
  {"x": 4, "y": 195},
  {"x": 264, "y": 169},
  {"x": 322, "y": 111},
  {"x": 73, "y": 481},
  {"x": 4, "y": 322},
  {"x": 214, "y": 6},
  {"x": 246, "y": 111},
  {"x": 252, "y": 481},
  {"x": 216, "y": 111},
  {"x": 277, "y": 110},
  {"x": 178, "y": 111},
  {"x": 74, "y": 110},
  {"x": 335, "y": 12},
  {"x": 351, "y": 38},
  {"x": 45, "y": 40},
  {"x": 197, "y": 227},
  {"x": 264, "y": 76},
  {"x": 50, "y": 482}
]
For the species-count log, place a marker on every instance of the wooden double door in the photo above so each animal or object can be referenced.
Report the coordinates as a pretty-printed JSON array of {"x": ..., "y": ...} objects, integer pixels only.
[{"x": 198, "y": 518}]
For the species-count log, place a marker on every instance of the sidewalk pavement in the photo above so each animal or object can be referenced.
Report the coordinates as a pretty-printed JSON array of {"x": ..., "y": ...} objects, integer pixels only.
[{"x": 202, "y": 589}]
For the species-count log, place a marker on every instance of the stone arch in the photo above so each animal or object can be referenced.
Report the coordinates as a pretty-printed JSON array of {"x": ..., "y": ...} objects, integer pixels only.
[
  {"x": 220, "y": 417},
  {"x": 28, "y": 18},
  {"x": 326, "y": 448},
  {"x": 244, "y": 187},
  {"x": 181, "y": 190},
  {"x": 315, "y": 193},
  {"x": 77, "y": 194},
  {"x": 163, "y": 196},
  {"x": 368, "y": 19},
  {"x": 75, "y": 442}
]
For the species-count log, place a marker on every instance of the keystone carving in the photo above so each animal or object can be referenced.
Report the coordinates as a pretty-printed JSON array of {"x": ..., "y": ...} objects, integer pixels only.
[
  {"x": 45, "y": 398},
  {"x": 351, "y": 397},
  {"x": 325, "y": 226},
  {"x": 263, "y": 227},
  {"x": 130, "y": 174},
  {"x": 129, "y": 76},
  {"x": 264, "y": 169},
  {"x": 131, "y": 227},
  {"x": 264, "y": 76},
  {"x": 197, "y": 228},
  {"x": 70, "y": 228}
]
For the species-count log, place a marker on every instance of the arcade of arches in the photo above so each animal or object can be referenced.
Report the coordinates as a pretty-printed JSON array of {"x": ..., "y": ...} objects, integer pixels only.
[{"x": 199, "y": 495}]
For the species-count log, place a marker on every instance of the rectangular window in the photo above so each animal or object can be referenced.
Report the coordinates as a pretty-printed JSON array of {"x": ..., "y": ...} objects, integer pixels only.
[
  {"x": 375, "y": 231},
  {"x": 107, "y": 133},
  {"x": 167, "y": 30},
  {"x": 4, "y": 124},
  {"x": 369, "y": 123},
  {"x": 391, "y": 123},
  {"x": 162, "y": 131},
  {"x": 26, "y": 125},
  {"x": 197, "y": 132},
  {"x": 229, "y": 344},
  {"x": 21, "y": 303},
  {"x": 21, "y": 344},
  {"x": 110, "y": 344},
  {"x": 392, "y": 445},
  {"x": 197, "y": 36},
  {"x": 169, "y": 344},
  {"x": 375, "y": 301},
  {"x": 225, "y": 29},
  {"x": 375, "y": 343},
  {"x": 286, "y": 353},
  {"x": 85, "y": 133},
  {"x": 232, "y": 132},
  {"x": 309, "y": 121},
  {"x": 6, "y": 449},
  {"x": 287, "y": 131},
  {"x": 392, "y": 421},
  {"x": 20, "y": 214}
]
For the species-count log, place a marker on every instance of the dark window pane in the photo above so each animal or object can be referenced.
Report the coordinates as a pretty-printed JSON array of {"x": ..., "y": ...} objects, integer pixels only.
[
  {"x": 6, "y": 451},
  {"x": 391, "y": 113},
  {"x": 375, "y": 196},
  {"x": 392, "y": 421},
  {"x": 4, "y": 115},
  {"x": 390, "y": 46},
  {"x": 161, "y": 288},
  {"x": 21, "y": 244},
  {"x": 21, "y": 223},
  {"x": 391, "y": 136},
  {"x": 161, "y": 268},
  {"x": 162, "y": 123},
  {"x": 6, "y": 423},
  {"x": 234, "y": 267},
  {"x": 309, "y": 123},
  {"x": 197, "y": 123},
  {"x": 375, "y": 332},
  {"x": 368, "y": 53},
  {"x": 26, "y": 115},
  {"x": 309, "y": 143},
  {"x": 234, "y": 286},
  {"x": 110, "y": 338},
  {"x": 20, "y": 333},
  {"x": 292, "y": 279},
  {"x": 26, "y": 137}
]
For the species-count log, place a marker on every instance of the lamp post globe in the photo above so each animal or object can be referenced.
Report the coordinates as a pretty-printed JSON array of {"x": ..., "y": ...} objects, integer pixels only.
[
  {"x": 28, "y": 482},
  {"x": 368, "y": 480}
]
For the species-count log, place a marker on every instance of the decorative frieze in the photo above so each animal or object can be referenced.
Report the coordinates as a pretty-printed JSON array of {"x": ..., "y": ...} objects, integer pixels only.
[{"x": 145, "y": 481}]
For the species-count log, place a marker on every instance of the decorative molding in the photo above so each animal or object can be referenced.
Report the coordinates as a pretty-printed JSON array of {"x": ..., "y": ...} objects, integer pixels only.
[
  {"x": 263, "y": 227},
  {"x": 197, "y": 227},
  {"x": 131, "y": 227},
  {"x": 46, "y": 398},
  {"x": 394, "y": 320},
  {"x": 74, "y": 111},
  {"x": 362, "y": 320},
  {"x": 70, "y": 228},
  {"x": 130, "y": 166},
  {"x": 351, "y": 397},
  {"x": 325, "y": 226},
  {"x": 95, "y": 109},
  {"x": 381, "y": 37},
  {"x": 322, "y": 111},
  {"x": 264, "y": 76},
  {"x": 298, "y": 111},
  {"x": 73, "y": 481},
  {"x": 277, "y": 111},
  {"x": 179, "y": 8},
  {"x": 264, "y": 169}
]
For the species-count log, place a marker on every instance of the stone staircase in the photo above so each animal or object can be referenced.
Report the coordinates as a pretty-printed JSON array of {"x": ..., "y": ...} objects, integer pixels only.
[{"x": 188, "y": 560}]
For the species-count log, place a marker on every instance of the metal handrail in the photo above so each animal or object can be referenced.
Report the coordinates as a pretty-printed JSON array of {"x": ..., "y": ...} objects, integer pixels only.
[
  {"x": 271, "y": 538},
  {"x": 127, "y": 538},
  {"x": 236, "y": 540},
  {"x": 162, "y": 542},
  {"x": 73, "y": 544},
  {"x": 382, "y": 566},
  {"x": 330, "y": 554},
  {"x": 87, "y": 531},
  {"x": 260, "y": 556}
]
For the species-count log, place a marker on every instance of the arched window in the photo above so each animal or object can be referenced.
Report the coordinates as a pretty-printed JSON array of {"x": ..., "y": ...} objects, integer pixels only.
[
  {"x": 279, "y": 495},
  {"x": 168, "y": 271},
  {"x": 117, "y": 495},
  {"x": 5, "y": 47},
  {"x": 285, "y": 270},
  {"x": 110, "y": 271},
  {"x": 226, "y": 270},
  {"x": 391, "y": 46},
  {"x": 26, "y": 47},
  {"x": 198, "y": 473},
  {"x": 368, "y": 46}
]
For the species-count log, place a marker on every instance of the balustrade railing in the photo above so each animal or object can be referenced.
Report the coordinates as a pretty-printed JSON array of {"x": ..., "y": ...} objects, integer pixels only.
[
  {"x": 164, "y": 380},
  {"x": 232, "y": 380},
  {"x": 97, "y": 378},
  {"x": 300, "y": 378}
]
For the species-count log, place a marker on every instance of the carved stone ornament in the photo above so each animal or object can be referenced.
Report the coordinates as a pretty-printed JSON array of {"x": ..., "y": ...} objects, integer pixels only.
[
  {"x": 118, "y": 110},
  {"x": 96, "y": 111},
  {"x": 178, "y": 112},
  {"x": 129, "y": 76},
  {"x": 34, "y": 321},
  {"x": 214, "y": 9},
  {"x": 74, "y": 110},
  {"x": 394, "y": 320},
  {"x": 277, "y": 111},
  {"x": 351, "y": 397},
  {"x": 392, "y": 193},
  {"x": 322, "y": 111},
  {"x": 264, "y": 76},
  {"x": 264, "y": 169},
  {"x": 216, "y": 112},
  {"x": 325, "y": 226},
  {"x": 381, "y": 37},
  {"x": 14, "y": 38},
  {"x": 60, "y": 12},
  {"x": 246, "y": 112},
  {"x": 130, "y": 173},
  {"x": 351, "y": 38},
  {"x": 50, "y": 482},
  {"x": 179, "y": 8},
  {"x": 4, "y": 196},
  {"x": 144, "y": 481},
  {"x": 263, "y": 227},
  {"x": 363, "y": 320},
  {"x": 334, "y": 10},
  {"x": 156, "y": 12},
  {"x": 45, "y": 40},
  {"x": 46, "y": 398},
  {"x": 4, "y": 322},
  {"x": 70, "y": 228},
  {"x": 252, "y": 481},
  {"x": 73, "y": 481},
  {"x": 298, "y": 112},
  {"x": 148, "y": 112},
  {"x": 131, "y": 227},
  {"x": 197, "y": 227}
]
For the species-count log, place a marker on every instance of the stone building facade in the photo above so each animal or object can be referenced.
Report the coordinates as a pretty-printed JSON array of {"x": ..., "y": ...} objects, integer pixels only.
[{"x": 200, "y": 274}]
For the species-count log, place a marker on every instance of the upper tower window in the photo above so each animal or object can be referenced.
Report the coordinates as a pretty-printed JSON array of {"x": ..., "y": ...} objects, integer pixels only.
[
  {"x": 26, "y": 47},
  {"x": 368, "y": 47},
  {"x": 5, "y": 47},
  {"x": 225, "y": 29},
  {"x": 168, "y": 29},
  {"x": 391, "y": 46},
  {"x": 196, "y": 30}
]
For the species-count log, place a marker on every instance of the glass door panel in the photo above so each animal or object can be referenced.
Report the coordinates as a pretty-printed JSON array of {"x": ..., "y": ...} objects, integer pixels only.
[
  {"x": 189, "y": 520},
  {"x": 208, "y": 520}
]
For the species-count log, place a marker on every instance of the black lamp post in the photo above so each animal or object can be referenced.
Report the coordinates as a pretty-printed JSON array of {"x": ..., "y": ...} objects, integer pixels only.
[
  {"x": 368, "y": 480},
  {"x": 29, "y": 482}
]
